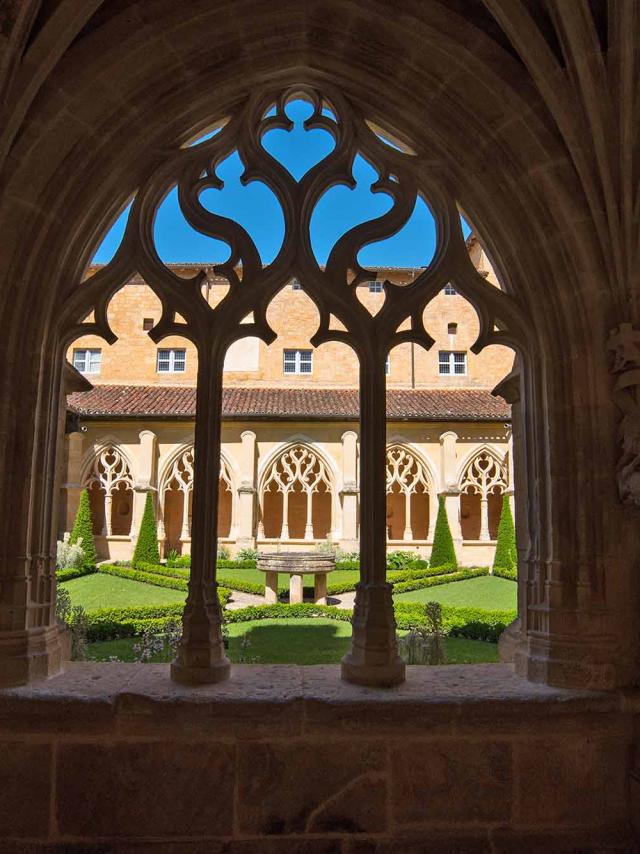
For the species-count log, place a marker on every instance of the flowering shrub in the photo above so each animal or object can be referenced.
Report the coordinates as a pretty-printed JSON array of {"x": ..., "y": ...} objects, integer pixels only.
[
  {"x": 75, "y": 617},
  {"x": 69, "y": 555}
]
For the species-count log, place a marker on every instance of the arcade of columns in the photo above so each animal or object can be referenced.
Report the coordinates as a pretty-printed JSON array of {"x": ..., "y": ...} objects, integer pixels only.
[{"x": 297, "y": 494}]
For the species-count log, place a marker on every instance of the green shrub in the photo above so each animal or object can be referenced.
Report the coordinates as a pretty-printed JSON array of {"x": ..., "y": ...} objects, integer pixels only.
[
  {"x": 70, "y": 573},
  {"x": 83, "y": 530},
  {"x": 174, "y": 559},
  {"x": 223, "y": 552},
  {"x": 472, "y": 623},
  {"x": 510, "y": 574},
  {"x": 505, "y": 557},
  {"x": 443, "y": 550},
  {"x": 145, "y": 577},
  {"x": 146, "y": 550},
  {"x": 247, "y": 555},
  {"x": 401, "y": 560},
  {"x": 236, "y": 564},
  {"x": 111, "y": 623},
  {"x": 421, "y": 583}
]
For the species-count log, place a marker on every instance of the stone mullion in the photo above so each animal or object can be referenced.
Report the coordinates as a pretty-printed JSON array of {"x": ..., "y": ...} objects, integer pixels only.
[
  {"x": 408, "y": 532},
  {"x": 201, "y": 656},
  {"x": 373, "y": 658},
  {"x": 284, "y": 532},
  {"x": 484, "y": 516},
  {"x": 308, "y": 531},
  {"x": 185, "y": 533}
]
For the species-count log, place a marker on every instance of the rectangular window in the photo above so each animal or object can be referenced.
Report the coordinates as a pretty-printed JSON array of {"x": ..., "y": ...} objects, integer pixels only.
[
  {"x": 387, "y": 365},
  {"x": 375, "y": 287},
  {"x": 449, "y": 290},
  {"x": 450, "y": 362},
  {"x": 147, "y": 323},
  {"x": 452, "y": 328},
  {"x": 171, "y": 361},
  {"x": 296, "y": 285},
  {"x": 298, "y": 361},
  {"x": 87, "y": 361}
]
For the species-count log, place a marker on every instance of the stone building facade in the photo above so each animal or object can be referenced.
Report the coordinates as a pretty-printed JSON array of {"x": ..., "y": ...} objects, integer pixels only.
[{"x": 289, "y": 474}]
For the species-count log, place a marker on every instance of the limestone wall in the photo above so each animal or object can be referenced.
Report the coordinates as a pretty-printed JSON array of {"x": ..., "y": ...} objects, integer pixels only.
[{"x": 115, "y": 757}]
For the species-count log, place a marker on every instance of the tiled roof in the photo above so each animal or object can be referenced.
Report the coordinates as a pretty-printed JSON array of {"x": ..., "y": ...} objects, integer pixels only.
[{"x": 126, "y": 401}]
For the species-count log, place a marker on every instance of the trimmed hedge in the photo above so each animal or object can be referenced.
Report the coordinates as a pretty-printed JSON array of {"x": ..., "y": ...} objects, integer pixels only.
[
  {"x": 443, "y": 551},
  {"x": 145, "y": 577},
  {"x": 74, "y": 572},
  {"x": 285, "y": 611},
  {"x": 146, "y": 550},
  {"x": 422, "y": 583},
  {"x": 472, "y": 623},
  {"x": 501, "y": 572},
  {"x": 83, "y": 530},
  {"x": 505, "y": 557}
]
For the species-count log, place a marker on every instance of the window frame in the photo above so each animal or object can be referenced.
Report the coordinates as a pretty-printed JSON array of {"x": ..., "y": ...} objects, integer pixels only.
[
  {"x": 376, "y": 286},
  {"x": 449, "y": 290},
  {"x": 451, "y": 363},
  {"x": 172, "y": 351},
  {"x": 88, "y": 353},
  {"x": 297, "y": 361}
]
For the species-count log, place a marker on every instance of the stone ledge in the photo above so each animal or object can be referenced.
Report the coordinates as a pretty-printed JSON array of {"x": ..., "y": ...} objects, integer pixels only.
[{"x": 285, "y": 700}]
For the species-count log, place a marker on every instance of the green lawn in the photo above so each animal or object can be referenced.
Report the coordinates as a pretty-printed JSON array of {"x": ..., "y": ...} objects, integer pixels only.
[
  {"x": 108, "y": 591},
  {"x": 484, "y": 592},
  {"x": 300, "y": 641}
]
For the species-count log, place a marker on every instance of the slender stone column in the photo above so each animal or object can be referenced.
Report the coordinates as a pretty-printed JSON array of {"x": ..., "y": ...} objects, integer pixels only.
[
  {"x": 308, "y": 530},
  {"x": 271, "y": 588},
  {"x": 246, "y": 537},
  {"x": 484, "y": 518},
  {"x": 349, "y": 540},
  {"x": 449, "y": 486},
  {"x": 373, "y": 659},
  {"x": 201, "y": 655},
  {"x": 284, "y": 532},
  {"x": 107, "y": 528},
  {"x": 408, "y": 532},
  {"x": 185, "y": 533}
]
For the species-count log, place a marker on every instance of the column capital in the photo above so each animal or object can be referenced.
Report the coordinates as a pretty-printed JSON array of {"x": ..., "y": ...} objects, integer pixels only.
[
  {"x": 143, "y": 486},
  {"x": 350, "y": 487},
  {"x": 247, "y": 434},
  {"x": 246, "y": 489},
  {"x": 349, "y": 434},
  {"x": 147, "y": 434},
  {"x": 448, "y": 434}
]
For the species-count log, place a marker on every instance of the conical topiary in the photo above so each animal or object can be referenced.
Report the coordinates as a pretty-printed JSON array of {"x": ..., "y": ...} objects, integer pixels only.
[
  {"x": 443, "y": 551},
  {"x": 146, "y": 550},
  {"x": 83, "y": 530},
  {"x": 505, "y": 557}
]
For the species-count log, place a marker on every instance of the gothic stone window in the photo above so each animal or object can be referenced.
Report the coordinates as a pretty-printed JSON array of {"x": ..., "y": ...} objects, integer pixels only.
[{"x": 331, "y": 284}]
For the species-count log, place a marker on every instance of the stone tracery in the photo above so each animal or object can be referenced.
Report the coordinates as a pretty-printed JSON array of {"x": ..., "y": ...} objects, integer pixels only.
[
  {"x": 484, "y": 475},
  {"x": 407, "y": 474},
  {"x": 297, "y": 466},
  {"x": 373, "y": 658},
  {"x": 111, "y": 473}
]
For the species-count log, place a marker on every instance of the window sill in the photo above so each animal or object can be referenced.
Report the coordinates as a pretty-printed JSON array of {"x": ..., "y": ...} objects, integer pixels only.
[{"x": 277, "y": 700}]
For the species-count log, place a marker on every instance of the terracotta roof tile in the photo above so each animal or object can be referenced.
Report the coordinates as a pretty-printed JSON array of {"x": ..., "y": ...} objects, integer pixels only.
[{"x": 125, "y": 401}]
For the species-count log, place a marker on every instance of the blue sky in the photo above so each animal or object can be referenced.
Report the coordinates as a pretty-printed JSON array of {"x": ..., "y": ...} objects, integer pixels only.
[{"x": 258, "y": 210}]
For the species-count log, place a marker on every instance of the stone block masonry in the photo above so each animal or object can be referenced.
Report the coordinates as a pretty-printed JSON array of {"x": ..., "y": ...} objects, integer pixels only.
[{"x": 117, "y": 758}]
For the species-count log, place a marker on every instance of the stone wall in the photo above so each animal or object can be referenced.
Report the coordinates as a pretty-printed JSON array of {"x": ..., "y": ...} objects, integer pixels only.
[
  {"x": 116, "y": 758},
  {"x": 294, "y": 317}
]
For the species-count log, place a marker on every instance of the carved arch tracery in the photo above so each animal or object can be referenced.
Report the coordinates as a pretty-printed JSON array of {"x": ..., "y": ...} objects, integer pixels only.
[
  {"x": 110, "y": 471},
  {"x": 212, "y": 329}
]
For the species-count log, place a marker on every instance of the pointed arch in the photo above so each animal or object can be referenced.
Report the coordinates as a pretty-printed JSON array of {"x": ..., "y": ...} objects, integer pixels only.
[
  {"x": 296, "y": 493},
  {"x": 175, "y": 488},
  {"x": 107, "y": 476},
  {"x": 410, "y": 493},
  {"x": 482, "y": 480}
]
